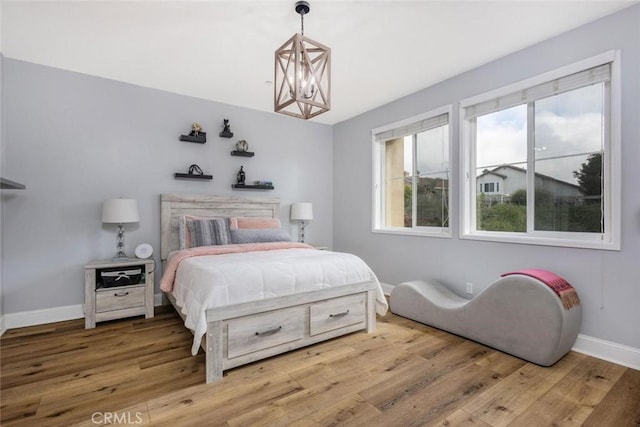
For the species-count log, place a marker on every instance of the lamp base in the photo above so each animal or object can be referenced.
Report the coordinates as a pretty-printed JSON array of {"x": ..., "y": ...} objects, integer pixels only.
[
  {"x": 120, "y": 256},
  {"x": 302, "y": 231}
]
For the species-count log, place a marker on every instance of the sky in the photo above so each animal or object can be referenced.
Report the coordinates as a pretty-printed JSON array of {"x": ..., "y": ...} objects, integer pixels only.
[
  {"x": 433, "y": 151},
  {"x": 568, "y": 128},
  {"x": 568, "y": 124}
]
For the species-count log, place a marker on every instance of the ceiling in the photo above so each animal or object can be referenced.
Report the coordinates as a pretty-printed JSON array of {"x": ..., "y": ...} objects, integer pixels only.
[{"x": 223, "y": 50}]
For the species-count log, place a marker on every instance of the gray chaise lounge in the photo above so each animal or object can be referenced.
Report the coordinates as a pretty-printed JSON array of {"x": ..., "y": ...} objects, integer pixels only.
[{"x": 517, "y": 314}]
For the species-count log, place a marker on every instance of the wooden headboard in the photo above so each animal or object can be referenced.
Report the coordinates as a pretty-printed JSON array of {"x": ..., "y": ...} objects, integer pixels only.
[{"x": 172, "y": 206}]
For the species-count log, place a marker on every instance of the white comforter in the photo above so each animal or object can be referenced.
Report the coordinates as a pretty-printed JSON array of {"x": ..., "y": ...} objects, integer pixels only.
[{"x": 209, "y": 281}]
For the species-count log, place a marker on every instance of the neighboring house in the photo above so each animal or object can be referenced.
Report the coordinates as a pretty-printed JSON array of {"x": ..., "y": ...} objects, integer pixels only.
[{"x": 500, "y": 183}]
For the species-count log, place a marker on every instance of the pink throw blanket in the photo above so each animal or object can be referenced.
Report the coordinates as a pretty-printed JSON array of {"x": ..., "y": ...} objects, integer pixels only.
[
  {"x": 166, "y": 283},
  {"x": 559, "y": 285}
]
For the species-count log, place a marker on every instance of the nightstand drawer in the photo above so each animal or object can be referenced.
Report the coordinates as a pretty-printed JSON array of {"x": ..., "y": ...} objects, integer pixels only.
[
  {"x": 255, "y": 333},
  {"x": 120, "y": 298},
  {"x": 337, "y": 313}
]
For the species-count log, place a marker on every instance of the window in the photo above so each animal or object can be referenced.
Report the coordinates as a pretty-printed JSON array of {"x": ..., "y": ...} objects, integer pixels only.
[
  {"x": 489, "y": 187},
  {"x": 411, "y": 175},
  {"x": 554, "y": 143}
]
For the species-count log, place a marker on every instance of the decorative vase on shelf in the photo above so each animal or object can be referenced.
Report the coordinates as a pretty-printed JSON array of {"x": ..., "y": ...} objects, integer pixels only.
[{"x": 242, "y": 146}]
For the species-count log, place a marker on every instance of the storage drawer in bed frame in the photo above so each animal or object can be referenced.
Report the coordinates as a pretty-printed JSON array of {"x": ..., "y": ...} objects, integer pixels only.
[
  {"x": 260, "y": 332},
  {"x": 257, "y": 336},
  {"x": 244, "y": 333},
  {"x": 255, "y": 333},
  {"x": 337, "y": 313}
]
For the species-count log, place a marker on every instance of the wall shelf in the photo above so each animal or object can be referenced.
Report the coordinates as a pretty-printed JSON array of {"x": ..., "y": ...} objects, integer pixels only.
[
  {"x": 7, "y": 184},
  {"x": 252, "y": 187},
  {"x": 243, "y": 153},
  {"x": 192, "y": 176},
  {"x": 200, "y": 139}
]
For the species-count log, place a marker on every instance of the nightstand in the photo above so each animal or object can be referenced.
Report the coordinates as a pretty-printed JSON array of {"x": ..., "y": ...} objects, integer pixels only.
[{"x": 115, "y": 289}]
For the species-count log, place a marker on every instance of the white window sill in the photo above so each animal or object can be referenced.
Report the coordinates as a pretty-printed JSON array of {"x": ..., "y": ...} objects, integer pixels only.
[
  {"x": 439, "y": 233},
  {"x": 581, "y": 240}
]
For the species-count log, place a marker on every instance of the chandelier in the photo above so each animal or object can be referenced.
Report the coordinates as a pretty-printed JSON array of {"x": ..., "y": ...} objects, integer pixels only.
[{"x": 302, "y": 85}]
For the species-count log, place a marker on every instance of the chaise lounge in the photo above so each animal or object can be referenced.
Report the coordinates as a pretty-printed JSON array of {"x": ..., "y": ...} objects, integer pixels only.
[{"x": 518, "y": 314}]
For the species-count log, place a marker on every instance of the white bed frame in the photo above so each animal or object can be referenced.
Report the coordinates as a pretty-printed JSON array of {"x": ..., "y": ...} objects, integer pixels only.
[{"x": 244, "y": 333}]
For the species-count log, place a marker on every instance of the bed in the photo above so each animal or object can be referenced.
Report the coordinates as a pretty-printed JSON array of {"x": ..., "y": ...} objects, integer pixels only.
[{"x": 237, "y": 331}]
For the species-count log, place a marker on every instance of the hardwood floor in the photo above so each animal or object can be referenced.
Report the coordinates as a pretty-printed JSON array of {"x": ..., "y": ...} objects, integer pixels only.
[{"x": 140, "y": 372}]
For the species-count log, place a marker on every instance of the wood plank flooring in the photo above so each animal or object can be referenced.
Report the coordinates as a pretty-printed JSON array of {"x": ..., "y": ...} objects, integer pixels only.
[{"x": 140, "y": 372}]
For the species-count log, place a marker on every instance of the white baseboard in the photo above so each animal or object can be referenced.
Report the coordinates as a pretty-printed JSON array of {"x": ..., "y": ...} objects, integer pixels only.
[
  {"x": 609, "y": 351},
  {"x": 41, "y": 317},
  {"x": 595, "y": 347},
  {"x": 49, "y": 315},
  {"x": 598, "y": 348}
]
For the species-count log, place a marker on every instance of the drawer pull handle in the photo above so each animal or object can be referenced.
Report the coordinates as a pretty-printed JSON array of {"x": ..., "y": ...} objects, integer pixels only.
[
  {"x": 269, "y": 332},
  {"x": 344, "y": 313},
  {"x": 121, "y": 294}
]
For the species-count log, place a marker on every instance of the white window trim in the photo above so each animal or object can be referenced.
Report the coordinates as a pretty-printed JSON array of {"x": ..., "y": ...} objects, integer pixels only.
[
  {"x": 613, "y": 162},
  {"x": 376, "y": 219}
]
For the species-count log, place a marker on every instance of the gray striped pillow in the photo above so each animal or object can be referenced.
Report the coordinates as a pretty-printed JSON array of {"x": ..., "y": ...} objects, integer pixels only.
[
  {"x": 259, "y": 235},
  {"x": 208, "y": 232}
]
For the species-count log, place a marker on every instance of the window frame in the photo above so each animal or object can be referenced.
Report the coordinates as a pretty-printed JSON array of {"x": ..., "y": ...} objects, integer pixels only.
[
  {"x": 610, "y": 239},
  {"x": 378, "y": 165}
]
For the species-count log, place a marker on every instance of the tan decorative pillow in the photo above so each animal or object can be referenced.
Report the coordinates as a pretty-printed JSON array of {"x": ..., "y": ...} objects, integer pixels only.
[{"x": 254, "y": 222}]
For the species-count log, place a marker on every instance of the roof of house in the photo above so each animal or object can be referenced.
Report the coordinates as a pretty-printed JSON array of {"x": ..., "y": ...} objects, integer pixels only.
[{"x": 523, "y": 170}]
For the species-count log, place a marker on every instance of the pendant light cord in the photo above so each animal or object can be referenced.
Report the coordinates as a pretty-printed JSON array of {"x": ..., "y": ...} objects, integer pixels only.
[{"x": 302, "y": 8}]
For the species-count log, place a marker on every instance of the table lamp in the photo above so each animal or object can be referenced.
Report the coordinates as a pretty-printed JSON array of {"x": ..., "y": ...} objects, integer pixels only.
[
  {"x": 302, "y": 211},
  {"x": 120, "y": 211}
]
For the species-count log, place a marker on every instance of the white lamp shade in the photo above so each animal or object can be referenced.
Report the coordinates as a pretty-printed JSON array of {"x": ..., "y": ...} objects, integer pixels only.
[
  {"x": 302, "y": 211},
  {"x": 120, "y": 211}
]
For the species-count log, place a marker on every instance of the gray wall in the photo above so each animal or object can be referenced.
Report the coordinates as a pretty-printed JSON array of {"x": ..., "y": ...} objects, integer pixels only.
[
  {"x": 608, "y": 282},
  {"x": 75, "y": 140}
]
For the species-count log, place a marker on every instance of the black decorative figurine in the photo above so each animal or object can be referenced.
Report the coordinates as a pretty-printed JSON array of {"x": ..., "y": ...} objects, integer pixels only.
[
  {"x": 226, "y": 131},
  {"x": 241, "y": 177},
  {"x": 195, "y": 170}
]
